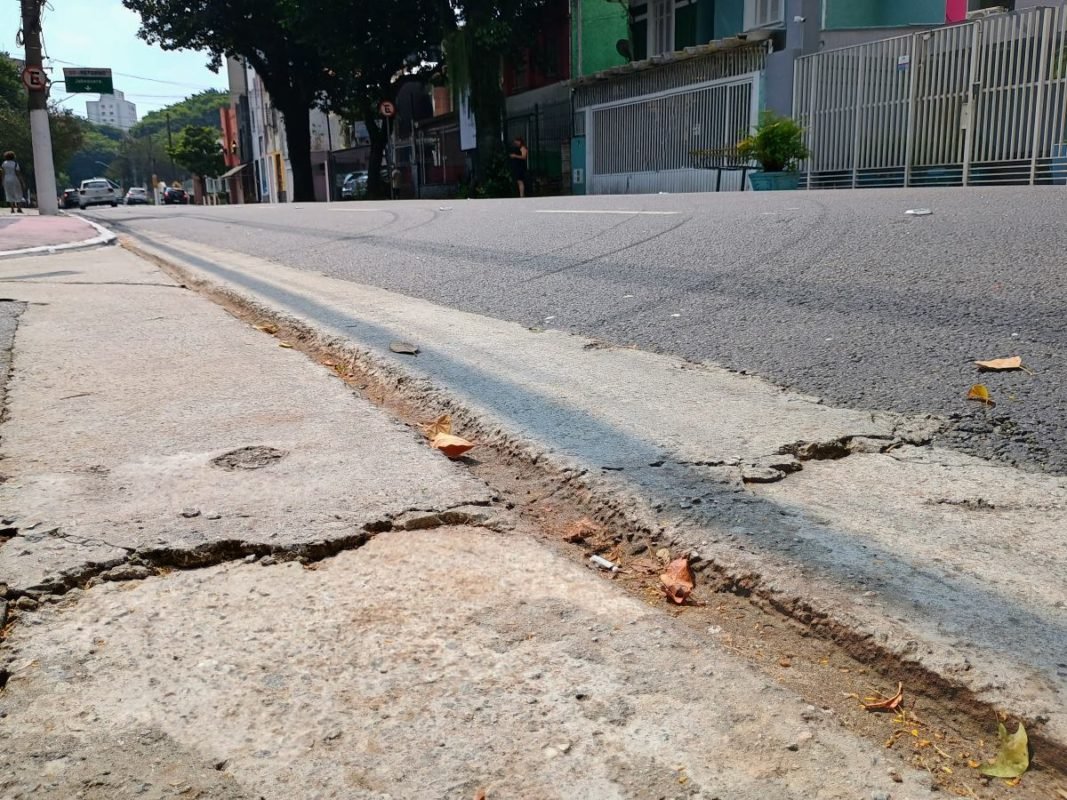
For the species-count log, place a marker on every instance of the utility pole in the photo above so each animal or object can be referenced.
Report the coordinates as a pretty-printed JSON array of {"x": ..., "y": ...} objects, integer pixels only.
[
  {"x": 44, "y": 169},
  {"x": 170, "y": 148}
]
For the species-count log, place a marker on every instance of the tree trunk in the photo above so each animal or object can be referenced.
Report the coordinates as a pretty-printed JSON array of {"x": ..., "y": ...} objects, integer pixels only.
[
  {"x": 487, "y": 99},
  {"x": 298, "y": 138},
  {"x": 379, "y": 140}
]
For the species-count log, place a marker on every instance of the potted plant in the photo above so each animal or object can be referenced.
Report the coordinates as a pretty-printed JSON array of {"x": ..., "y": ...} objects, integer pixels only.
[{"x": 776, "y": 145}]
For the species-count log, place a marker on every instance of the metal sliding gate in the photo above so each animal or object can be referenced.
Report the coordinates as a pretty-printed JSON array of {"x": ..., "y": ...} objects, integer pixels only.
[
  {"x": 644, "y": 129},
  {"x": 982, "y": 103}
]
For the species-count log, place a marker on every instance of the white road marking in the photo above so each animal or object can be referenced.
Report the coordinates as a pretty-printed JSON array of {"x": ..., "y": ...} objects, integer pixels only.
[
  {"x": 357, "y": 210},
  {"x": 606, "y": 211}
]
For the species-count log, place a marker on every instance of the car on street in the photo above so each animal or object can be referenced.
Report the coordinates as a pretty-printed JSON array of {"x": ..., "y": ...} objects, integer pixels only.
[
  {"x": 97, "y": 192},
  {"x": 354, "y": 185},
  {"x": 137, "y": 197},
  {"x": 69, "y": 198},
  {"x": 175, "y": 196}
]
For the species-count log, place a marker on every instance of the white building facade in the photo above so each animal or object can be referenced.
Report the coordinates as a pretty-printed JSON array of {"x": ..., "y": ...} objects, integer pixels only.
[
  {"x": 270, "y": 151},
  {"x": 112, "y": 109}
]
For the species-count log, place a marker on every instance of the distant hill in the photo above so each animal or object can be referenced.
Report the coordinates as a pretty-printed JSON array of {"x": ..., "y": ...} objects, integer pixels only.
[{"x": 200, "y": 109}]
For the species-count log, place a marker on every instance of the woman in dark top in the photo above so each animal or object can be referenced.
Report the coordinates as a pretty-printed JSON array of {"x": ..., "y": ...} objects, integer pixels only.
[{"x": 519, "y": 157}]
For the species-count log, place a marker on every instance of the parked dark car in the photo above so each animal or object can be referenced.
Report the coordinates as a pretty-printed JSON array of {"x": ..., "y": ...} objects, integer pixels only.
[
  {"x": 173, "y": 196},
  {"x": 69, "y": 198}
]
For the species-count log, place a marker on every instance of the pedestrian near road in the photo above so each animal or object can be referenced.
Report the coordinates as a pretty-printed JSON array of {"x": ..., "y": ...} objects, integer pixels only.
[
  {"x": 520, "y": 156},
  {"x": 14, "y": 183}
]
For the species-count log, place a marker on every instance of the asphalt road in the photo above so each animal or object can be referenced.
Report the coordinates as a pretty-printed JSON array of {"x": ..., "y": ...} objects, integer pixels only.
[{"x": 837, "y": 294}]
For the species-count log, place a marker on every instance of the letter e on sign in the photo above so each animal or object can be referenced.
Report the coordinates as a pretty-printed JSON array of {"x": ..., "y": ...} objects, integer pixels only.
[
  {"x": 387, "y": 109},
  {"x": 35, "y": 79}
]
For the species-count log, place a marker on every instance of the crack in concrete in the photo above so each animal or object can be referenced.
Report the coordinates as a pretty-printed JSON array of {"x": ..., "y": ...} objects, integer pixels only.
[{"x": 156, "y": 560}]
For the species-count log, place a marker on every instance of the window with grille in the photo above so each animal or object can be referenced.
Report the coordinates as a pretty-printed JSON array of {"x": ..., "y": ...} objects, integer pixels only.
[
  {"x": 764, "y": 13},
  {"x": 661, "y": 29}
]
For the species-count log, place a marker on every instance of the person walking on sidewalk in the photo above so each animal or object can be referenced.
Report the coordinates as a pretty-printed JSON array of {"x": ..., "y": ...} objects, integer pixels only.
[
  {"x": 14, "y": 183},
  {"x": 520, "y": 156}
]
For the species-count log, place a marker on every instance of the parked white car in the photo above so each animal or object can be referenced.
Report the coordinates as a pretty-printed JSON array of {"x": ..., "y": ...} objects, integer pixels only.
[{"x": 97, "y": 192}]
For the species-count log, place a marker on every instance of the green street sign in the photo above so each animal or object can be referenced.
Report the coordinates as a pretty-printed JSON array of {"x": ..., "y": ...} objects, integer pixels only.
[{"x": 81, "y": 80}]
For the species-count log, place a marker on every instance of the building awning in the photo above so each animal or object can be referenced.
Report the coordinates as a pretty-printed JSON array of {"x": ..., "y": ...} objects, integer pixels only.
[{"x": 232, "y": 172}]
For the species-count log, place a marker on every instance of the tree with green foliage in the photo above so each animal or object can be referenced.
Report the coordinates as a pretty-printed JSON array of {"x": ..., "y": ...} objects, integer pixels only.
[
  {"x": 67, "y": 132},
  {"x": 272, "y": 36},
  {"x": 201, "y": 108},
  {"x": 478, "y": 35},
  {"x": 100, "y": 145},
  {"x": 371, "y": 48},
  {"x": 197, "y": 148}
]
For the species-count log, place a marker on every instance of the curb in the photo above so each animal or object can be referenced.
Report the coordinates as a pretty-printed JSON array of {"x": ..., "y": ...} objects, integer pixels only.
[
  {"x": 103, "y": 237},
  {"x": 742, "y": 577}
]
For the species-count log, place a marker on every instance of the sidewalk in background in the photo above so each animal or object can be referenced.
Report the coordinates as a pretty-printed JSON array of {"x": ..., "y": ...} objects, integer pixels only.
[
  {"x": 392, "y": 660},
  {"x": 31, "y": 231}
]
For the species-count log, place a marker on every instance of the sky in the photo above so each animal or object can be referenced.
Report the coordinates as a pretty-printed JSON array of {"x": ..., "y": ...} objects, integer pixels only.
[{"x": 103, "y": 33}]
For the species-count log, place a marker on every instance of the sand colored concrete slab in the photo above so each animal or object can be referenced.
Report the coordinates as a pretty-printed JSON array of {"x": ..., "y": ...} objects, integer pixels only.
[
  {"x": 424, "y": 665},
  {"x": 670, "y": 445},
  {"x": 125, "y": 391}
]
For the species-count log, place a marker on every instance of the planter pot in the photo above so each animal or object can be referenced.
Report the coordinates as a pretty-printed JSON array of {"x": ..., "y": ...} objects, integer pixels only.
[{"x": 774, "y": 181}]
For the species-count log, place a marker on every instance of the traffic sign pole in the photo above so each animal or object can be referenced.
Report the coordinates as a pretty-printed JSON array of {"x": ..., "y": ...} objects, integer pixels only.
[{"x": 44, "y": 169}]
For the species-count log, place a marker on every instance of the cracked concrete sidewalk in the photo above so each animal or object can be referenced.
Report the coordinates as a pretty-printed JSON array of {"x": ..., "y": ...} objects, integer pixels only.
[
  {"x": 907, "y": 551},
  {"x": 123, "y": 394},
  {"x": 394, "y": 663}
]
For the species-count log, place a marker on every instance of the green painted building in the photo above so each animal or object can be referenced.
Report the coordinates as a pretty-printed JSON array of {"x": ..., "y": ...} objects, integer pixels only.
[
  {"x": 843, "y": 14},
  {"x": 610, "y": 33}
]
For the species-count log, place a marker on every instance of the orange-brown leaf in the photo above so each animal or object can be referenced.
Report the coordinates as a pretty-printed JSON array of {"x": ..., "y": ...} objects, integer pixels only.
[
  {"x": 442, "y": 424},
  {"x": 887, "y": 704},
  {"x": 678, "y": 580},
  {"x": 580, "y": 530},
  {"x": 451, "y": 446},
  {"x": 1000, "y": 364},
  {"x": 980, "y": 393}
]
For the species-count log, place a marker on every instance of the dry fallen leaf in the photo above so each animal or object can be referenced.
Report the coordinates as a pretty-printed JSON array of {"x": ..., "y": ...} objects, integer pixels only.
[
  {"x": 1014, "y": 756},
  {"x": 268, "y": 328},
  {"x": 980, "y": 393},
  {"x": 451, "y": 446},
  {"x": 678, "y": 580},
  {"x": 1000, "y": 364},
  {"x": 285, "y": 345},
  {"x": 885, "y": 704},
  {"x": 579, "y": 531},
  {"x": 442, "y": 424}
]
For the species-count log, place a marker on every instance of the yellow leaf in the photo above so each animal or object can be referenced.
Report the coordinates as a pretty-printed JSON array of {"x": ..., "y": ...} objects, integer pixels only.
[
  {"x": 980, "y": 393},
  {"x": 1000, "y": 364},
  {"x": 1014, "y": 756},
  {"x": 285, "y": 345}
]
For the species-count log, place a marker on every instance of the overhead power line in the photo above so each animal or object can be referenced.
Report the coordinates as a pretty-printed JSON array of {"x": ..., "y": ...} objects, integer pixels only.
[{"x": 143, "y": 78}]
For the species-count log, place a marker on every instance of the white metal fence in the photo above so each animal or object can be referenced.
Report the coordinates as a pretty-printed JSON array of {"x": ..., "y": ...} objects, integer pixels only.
[
  {"x": 979, "y": 103},
  {"x": 644, "y": 127}
]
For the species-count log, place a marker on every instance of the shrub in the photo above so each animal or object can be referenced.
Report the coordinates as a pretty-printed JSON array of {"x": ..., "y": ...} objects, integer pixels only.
[{"x": 777, "y": 144}]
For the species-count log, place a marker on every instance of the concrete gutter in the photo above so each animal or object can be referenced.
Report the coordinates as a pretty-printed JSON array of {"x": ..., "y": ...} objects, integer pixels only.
[{"x": 845, "y": 520}]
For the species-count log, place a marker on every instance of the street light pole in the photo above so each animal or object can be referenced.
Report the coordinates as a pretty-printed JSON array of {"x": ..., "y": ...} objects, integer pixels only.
[{"x": 44, "y": 169}]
